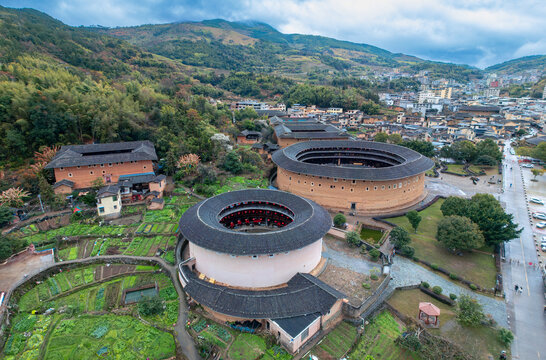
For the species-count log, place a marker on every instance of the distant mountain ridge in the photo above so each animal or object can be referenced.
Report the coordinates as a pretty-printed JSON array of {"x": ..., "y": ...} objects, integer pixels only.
[
  {"x": 255, "y": 46},
  {"x": 525, "y": 63}
]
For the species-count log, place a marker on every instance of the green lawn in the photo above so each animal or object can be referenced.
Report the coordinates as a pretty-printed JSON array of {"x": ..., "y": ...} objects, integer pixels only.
[
  {"x": 247, "y": 347},
  {"x": 338, "y": 341},
  {"x": 477, "y": 267},
  {"x": 378, "y": 340},
  {"x": 456, "y": 168},
  {"x": 482, "y": 340}
]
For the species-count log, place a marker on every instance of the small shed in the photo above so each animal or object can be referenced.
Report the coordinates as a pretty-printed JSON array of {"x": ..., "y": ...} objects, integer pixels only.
[{"x": 429, "y": 314}]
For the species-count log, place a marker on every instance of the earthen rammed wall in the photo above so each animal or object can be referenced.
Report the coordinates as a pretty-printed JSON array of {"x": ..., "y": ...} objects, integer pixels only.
[
  {"x": 83, "y": 176},
  {"x": 367, "y": 196}
]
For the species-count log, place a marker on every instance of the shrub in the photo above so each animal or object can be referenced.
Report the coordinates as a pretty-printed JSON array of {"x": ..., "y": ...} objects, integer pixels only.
[
  {"x": 473, "y": 287},
  {"x": 352, "y": 238},
  {"x": 339, "y": 220},
  {"x": 374, "y": 277},
  {"x": 453, "y": 297},
  {"x": 469, "y": 311},
  {"x": 425, "y": 284},
  {"x": 150, "y": 306},
  {"x": 505, "y": 336},
  {"x": 407, "y": 250},
  {"x": 415, "y": 258},
  {"x": 437, "y": 290},
  {"x": 374, "y": 254},
  {"x": 366, "y": 286},
  {"x": 453, "y": 277},
  {"x": 434, "y": 266},
  {"x": 363, "y": 250}
]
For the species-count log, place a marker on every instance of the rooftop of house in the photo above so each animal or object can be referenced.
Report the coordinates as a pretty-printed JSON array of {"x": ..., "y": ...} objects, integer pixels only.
[
  {"x": 303, "y": 295},
  {"x": 109, "y": 190},
  {"x": 82, "y": 155},
  {"x": 308, "y": 130}
]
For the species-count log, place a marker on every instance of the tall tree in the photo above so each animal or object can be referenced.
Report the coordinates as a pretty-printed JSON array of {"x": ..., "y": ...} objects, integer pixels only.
[
  {"x": 414, "y": 218},
  {"x": 399, "y": 237},
  {"x": 459, "y": 233},
  {"x": 495, "y": 224}
]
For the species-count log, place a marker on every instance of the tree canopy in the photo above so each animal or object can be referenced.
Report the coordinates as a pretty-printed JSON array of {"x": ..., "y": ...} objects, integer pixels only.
[
  {"x": 459, "y": 233},
  {"x": 486, "y": 211}
]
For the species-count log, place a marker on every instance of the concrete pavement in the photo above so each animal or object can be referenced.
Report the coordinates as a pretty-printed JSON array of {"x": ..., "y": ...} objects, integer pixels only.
[{"x": 527, "y": 318}]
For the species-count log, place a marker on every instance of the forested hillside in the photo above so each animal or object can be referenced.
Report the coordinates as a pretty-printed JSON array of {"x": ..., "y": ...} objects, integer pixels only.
[
  {"x": 515, "y": 66},
  {"x": 258, "y": 47}
]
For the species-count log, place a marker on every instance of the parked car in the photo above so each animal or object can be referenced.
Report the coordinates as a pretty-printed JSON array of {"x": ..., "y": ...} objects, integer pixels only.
[
  {"x": 527, "y": 165},
  {"x": 539, "y": 215},
  {"x": 536, "y": 201},
  {"x": 541, "y": 225}
]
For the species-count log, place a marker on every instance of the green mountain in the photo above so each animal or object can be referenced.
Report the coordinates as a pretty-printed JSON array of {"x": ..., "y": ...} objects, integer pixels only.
[
  {"x": 258, "y": 47},
  {"x": 515, "y": 66}
]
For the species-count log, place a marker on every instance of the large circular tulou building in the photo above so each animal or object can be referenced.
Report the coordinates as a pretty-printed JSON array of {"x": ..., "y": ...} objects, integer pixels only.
[
  {"x": 249, "y": 255},
  {"x": 359, "y": 176}
]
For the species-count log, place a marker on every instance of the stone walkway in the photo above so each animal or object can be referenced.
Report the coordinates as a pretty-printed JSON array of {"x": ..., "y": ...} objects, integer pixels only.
[{"x": 405, "y": 272}]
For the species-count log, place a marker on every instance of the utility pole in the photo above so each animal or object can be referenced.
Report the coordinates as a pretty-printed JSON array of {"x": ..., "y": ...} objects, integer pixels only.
[{"x": 41, "y": 204}]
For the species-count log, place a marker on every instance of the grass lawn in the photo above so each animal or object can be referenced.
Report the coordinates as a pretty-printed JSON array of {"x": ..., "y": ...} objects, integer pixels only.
[
  {"x": 338, "y": 341},
  {"x": 477, "y": 267},
  {"x": 430, "y": 172},
  {"x": 482, "y": 340},
  {"x": 370, "y": 235},
  {"x": 378, "y": 340},
  {"x": 247, "y": 347},
  {"x": 456, "y": 168}
]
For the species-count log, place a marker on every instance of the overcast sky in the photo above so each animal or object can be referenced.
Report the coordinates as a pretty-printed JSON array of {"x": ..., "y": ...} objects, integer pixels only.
[{"x": 476, "y": 32}]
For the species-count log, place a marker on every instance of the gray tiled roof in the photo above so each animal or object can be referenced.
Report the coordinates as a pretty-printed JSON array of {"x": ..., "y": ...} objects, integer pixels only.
[
  {"x": 200, "y": 224},
  {"x": 308, "y": 130},
  {"x": 295, "y": 325},
  {"x": 405, "y": 162},
  {"x": 300, "y": 297},
  {"x": 82, "y": 155},
  {"x": 109, "y": 190},
  {"x": 63, "y": 182}
]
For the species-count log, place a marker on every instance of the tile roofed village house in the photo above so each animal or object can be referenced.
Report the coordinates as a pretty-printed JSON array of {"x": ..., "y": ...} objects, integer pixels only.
[
  {"x": 290, "y": 132},
  {"x": 130, "y": 164}
]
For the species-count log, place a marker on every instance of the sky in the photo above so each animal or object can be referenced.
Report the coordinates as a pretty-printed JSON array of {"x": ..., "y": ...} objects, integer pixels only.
[{"x": 475, "y": 32}]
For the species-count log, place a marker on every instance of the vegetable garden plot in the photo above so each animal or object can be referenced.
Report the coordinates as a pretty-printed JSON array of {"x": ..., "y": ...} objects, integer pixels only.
[
  {"x": 27, "y": 335},
  {"x": 117, "y": 337}
]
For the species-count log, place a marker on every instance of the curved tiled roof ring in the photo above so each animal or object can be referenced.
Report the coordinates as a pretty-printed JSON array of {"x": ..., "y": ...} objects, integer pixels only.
[
  {"x": 402, "y": 162},
  {"x": 200, "y": 224}
]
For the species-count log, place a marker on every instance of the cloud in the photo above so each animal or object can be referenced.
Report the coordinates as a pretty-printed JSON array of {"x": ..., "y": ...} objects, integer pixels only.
[{"x": 477, "y": 32}]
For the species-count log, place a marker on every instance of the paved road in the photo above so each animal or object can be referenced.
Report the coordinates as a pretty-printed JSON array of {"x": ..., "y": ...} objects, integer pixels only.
[{"x": 526, "y": 310}]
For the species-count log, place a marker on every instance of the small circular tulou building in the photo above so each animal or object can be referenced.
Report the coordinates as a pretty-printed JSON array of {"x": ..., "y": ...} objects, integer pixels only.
[
  {"x": 248, "y": 257},
  {"x": 359, "y": 176}
]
